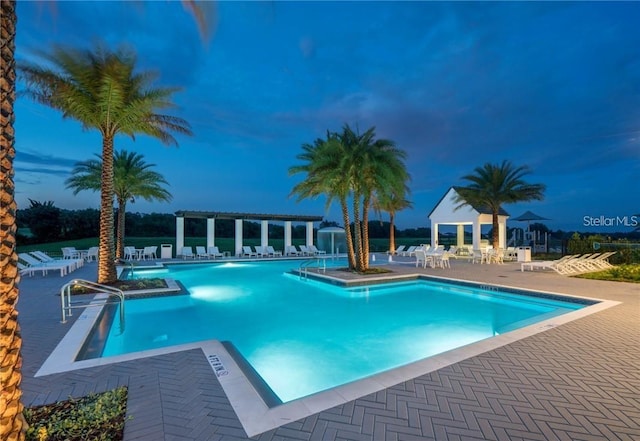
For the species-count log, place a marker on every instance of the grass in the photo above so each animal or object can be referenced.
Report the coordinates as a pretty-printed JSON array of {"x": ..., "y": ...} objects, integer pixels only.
[
  {"x": 619, "y": 273},
  {"x": 94, "y": 417}
]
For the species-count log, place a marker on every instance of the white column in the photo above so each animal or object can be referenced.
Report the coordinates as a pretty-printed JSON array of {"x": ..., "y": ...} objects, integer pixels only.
[
  {"x": 238, "y": 237},
  {"x": 460, "y": 235},
  {"x": 264, "y": 233},
  {"x": 309, "y": 234},
  {"x": 502, "y": 234},
  {"x": 211, "y": 232},
  {"x": 434, "y": 234},
  {"x": 179, "y": 235},
  {"x": 287, "y": 234},
  {"x": 477, "y": 234}
]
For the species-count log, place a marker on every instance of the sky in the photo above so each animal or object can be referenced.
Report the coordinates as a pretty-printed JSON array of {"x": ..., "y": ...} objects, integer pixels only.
[{"x": 554, "y": 86}]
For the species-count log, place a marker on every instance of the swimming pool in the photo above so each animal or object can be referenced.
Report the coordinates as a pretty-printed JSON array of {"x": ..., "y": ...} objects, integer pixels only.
[{"x": 301, "y": 336}]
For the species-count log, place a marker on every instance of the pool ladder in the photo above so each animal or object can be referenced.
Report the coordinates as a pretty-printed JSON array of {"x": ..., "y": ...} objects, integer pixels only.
[
  {"x": 303, "y": 269},
  {"x": 67, "y": 304}
]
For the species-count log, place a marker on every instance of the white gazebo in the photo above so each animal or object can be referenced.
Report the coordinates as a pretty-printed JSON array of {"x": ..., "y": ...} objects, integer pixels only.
[{"x": 445, "y": 213}]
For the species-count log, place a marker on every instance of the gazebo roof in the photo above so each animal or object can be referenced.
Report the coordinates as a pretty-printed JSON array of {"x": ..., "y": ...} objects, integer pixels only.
[
  {"x": 481, "y": 209},
  {"x": 245, "y": 216}
]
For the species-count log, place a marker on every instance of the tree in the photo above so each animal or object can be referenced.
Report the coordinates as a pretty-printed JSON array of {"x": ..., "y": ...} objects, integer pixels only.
[
  {"x": 102, "y": 91},
  {"x": 132, "y": 178},
  {"x": 493, "y": 185},
  {"x": 391, "y": 202},
  {"x": 350, "y": 166},
  {"x": 13, "y": 425},
  {"x": 44, "y": 220}
]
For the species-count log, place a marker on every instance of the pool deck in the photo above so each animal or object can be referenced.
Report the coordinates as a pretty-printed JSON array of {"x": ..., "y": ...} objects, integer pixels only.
[{"x": 576, "y": 381}]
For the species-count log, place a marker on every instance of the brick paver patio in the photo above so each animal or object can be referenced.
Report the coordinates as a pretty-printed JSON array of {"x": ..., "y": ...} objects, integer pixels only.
[{"x": 578, "y": 381}]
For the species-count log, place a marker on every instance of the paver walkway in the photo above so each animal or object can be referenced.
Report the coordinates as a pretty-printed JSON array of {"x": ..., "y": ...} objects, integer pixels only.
[{"x": 579, "y": 381}]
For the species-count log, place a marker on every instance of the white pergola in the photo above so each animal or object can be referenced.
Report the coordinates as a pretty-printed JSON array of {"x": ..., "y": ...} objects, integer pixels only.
[
  {"x": 211, "y": 217},
  {"x": 445, "y": 213}
]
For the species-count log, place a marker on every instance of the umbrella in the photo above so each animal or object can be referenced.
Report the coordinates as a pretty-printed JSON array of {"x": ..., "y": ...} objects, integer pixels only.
[{"x": 528, "y": 216}]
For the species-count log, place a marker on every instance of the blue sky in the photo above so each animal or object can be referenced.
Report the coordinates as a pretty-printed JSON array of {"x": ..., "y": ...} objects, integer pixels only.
[{"x": 555, "y": 86}]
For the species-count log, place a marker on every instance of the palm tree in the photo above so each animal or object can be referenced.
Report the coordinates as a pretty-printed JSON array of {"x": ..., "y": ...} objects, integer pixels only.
[
  {"x": 323, "y": 164},
  {"x": 13, "y": 423},
  {"x": 493, "y": 185},
  {"x": 376, "y": 166},
  {"x": 350, "y": 165},
  {"x": 101, "y": 90},
  {"x": 132, "y": 178},
  {"x": 391, "y": 202}
]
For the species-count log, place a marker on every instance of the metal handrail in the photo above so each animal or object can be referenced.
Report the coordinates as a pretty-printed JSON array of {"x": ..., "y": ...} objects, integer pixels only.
[
  {"x": 67, "y": 304},
  {"x": 305, "y": 265}
]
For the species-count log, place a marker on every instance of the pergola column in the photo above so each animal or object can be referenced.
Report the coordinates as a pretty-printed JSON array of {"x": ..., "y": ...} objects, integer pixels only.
[
  {"x": 460, "y": 235},
  {"x": 287, "y": 234},
  {"x": 179, "y": 235},
  {"x": 309, "y": 233},
  {"x": 477, "y": 234},
  {"x": 238, "y": 237},
  {"x": 502, "y": 234},
  {"x": 211, "y": 232},
  {"x": 434, "y": 234},
  {"x": 264, "y": 233}
]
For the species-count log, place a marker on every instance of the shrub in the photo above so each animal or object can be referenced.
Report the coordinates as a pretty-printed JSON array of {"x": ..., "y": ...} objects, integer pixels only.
[{"x": 94, "y": 417}]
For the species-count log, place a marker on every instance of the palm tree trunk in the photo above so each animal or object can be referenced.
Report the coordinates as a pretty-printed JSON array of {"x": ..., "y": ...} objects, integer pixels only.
[
  {"x": 392, "y": 232},
  {"x": 106, "y": 263},
  {"x": 122, "y": 206},
  {"x": 357, "y": 232},
  {"x": 496, "y": 231},
  {"x": 347, "y": 230},
  {"x": 365, "y": 233},
  {"x": 13, "y": 425}
]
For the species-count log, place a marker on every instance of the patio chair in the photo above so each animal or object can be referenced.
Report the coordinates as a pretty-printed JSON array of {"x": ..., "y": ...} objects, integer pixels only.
[
  {"x": 92, "y": 254},
  {"x": 214, "y": 252},
  {"x": 421, "y": 258},
  {"x": 248, "y": 252},
  {"x": 201, "y": 252},
  {"x": 409, "y": 251},
  {"x": 37, "y": 265},
  {"x": 315, "y": 250},
  {"x": 129, "y": 253},
  {"x": 398, "y": 250},
  {"x": 150, "y": 252},
  {"x": 305, "y": 251},
  {"x": 273, "y": 252},
  {"x": 187, "y": 252},
  {"x": 43, "y": 257},
  {"x": 261, "y": 251},
  {"x": 291, "y": 250}
]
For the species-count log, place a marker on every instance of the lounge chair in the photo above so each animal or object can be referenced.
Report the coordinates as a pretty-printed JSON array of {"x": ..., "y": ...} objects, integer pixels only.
[
  {"x": 187, "y": 252},
  {"x": 248, "y": 252},
  {"x": 42, "y": 257},
  {"x": 305, "y": 251},
  {"x": 560, "y": 265},
  {"x": 291, "y": 250},
  {"x": 214, "y": 252},
  {"x": 397, "y": 251},
  {"x": 409, "y": 251},
  {"x": 315, "y": 250},
  {"x": 273, "y": 252},
  {"x": 36, "y": 265},
  {"x": 201, "y": 252},
  {"x": 261, "y": 251}
]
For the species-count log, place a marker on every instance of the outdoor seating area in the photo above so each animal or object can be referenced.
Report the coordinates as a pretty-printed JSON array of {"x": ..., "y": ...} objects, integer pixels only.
[
  {"x": 573, "y": 264},
  {"x": 39, "y": 261}
]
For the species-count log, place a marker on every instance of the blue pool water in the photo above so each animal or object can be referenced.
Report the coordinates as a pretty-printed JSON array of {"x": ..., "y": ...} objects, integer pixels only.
[{"x": 303, "y": 336}]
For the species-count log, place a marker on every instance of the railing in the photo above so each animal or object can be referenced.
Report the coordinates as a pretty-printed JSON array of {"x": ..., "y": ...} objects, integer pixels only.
[
  {"x": 67, "y": 305},
  {"x": 304, "y": 267}
]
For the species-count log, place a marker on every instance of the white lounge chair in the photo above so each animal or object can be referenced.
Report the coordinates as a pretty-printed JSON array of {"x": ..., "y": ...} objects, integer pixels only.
[
  {"x": 398, "y": 250},
  {"x": 409, "y": 251},
  {"x": 291, "y": 250},
  {"x": 36, "y": 265},
  {"x": 305, "y": 251},
  {"x": 261, "y": 251},
  {"x": 273, "y": 252},
  {"x": 214, "y": 252},
  {"x": 187, "y": 252},
  {"x": 315, "y": 250},
  {"x": 42, "y": 257},
  {"x": 201, "y": 252},
  {"x": 248, "y": 252}
]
